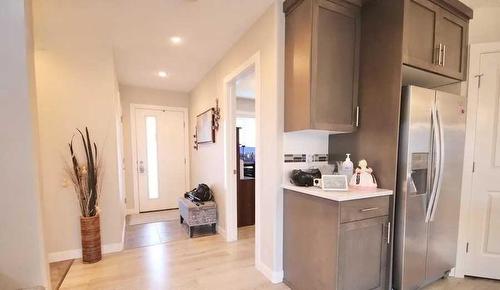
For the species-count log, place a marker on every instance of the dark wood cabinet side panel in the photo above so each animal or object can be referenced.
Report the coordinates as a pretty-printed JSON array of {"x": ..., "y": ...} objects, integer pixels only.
[
  {"x": 310, "y": 237},
  {"x": 377, "y": 137},
  {"x": 380, "y": 92},
  {"x": 298, "y": 67}
]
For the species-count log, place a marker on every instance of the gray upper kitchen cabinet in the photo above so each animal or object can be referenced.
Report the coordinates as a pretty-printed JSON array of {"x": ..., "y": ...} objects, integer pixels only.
[
  {"x": 420, "y": 33},
  {"x": 435, "y": 38},
  {"x": 452, "y": 33},
  {"x": 321, "y": 65}
]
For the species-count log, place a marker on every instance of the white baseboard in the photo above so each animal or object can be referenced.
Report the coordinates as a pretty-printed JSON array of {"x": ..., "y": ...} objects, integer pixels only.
[
  {"x": 129, "y": 211},
  {"x": 273, "y": 276},
  {"x": 77, "y": 253},
  {"x": 221, "y": 231}
]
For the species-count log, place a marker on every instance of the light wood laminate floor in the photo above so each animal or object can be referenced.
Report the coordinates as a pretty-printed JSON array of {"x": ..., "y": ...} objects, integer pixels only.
[
  {"x": 468, "y": 283},
  {"x": 143, "y": 235},
  {"x": 58, "y": 271},
  {"x": 201, "y": 263}
]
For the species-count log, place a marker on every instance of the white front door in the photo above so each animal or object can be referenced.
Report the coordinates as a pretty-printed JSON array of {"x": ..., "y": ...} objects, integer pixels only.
[
  {"x": 483, "y": 257},
  {"x": 161, "y": 157}
]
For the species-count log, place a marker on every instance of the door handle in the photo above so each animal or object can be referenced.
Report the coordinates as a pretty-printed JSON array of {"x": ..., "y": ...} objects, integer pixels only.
[
  {"x": 357, "y": 116},
  {"x": 437, "y": 151},
  {"x": 444, "y": 54},
  {"x": 441, "y": 166},
  {"x": 439, "y": 54},
  {"x": 368, "y": 209},
  {"x": 141, "y": 167},
  {"x": 388, "y": 232}
]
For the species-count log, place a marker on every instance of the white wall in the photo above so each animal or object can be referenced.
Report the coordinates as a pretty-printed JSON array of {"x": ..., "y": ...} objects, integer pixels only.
[
  {"x": 76, "y": 87},
  {"x": 485, "y": 26},
  {"x": 207, "y": 164},
  {"x": 136, "y": 95},
  {"x": 23, "y": 260},
  {"x": 245, "y": 107}
]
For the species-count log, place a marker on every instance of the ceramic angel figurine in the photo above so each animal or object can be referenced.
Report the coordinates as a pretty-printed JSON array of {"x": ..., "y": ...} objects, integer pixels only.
[{"x": 363, "y": 176}]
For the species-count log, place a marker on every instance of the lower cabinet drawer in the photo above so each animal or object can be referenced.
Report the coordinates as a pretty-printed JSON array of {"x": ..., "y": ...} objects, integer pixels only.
[{"x": 361, "y": 209}]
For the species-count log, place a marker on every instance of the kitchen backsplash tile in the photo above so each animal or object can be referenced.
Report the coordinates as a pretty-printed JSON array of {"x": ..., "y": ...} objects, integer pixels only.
[
  {"x": 295, "y": 158},
  {"x": 319, "y": 157}
]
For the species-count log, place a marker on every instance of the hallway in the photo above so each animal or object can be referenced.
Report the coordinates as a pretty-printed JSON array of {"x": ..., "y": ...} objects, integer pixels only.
[{"x": 153, "y": 228}]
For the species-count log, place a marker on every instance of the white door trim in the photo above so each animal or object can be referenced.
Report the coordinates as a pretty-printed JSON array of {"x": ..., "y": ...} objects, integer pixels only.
[
  {"x": 229, "y": 111},
  {"x": 475, "y": 52},
  {"x": 133, "y": 140}
]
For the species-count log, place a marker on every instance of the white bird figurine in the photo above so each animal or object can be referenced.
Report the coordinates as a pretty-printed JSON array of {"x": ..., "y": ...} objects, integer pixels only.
[{"x": 363, "y": 176}]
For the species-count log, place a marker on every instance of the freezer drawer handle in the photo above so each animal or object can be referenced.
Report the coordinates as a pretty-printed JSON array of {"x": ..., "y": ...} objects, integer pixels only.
[{"x": 369, "y": 209}]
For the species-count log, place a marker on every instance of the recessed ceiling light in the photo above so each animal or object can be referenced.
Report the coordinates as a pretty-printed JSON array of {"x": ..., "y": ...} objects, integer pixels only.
[
  {"x": 162, "y": 74},
  {"x": 175, "y": 40}
]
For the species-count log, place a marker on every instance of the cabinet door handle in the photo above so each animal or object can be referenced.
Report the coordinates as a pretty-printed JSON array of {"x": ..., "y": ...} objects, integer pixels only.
[
  {"x": 440, "y": 54},
  {"x": 357, "y": 116},
  {"x": 388, "y": 232},
  {"x": 444, "y": 54},
  {"x": 368, "y": 209},
  {"x": 437, "y": 55}
]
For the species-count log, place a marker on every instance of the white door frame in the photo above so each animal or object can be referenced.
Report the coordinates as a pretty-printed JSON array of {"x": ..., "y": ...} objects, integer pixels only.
[
  {"x": 475, "y": 52},
  {"x": 133, "y": 139},
  {"x": 229, "y": 111}
]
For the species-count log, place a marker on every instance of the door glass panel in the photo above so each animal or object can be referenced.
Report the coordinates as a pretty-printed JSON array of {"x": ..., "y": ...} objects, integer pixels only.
[{"x": 152, "y": 156}]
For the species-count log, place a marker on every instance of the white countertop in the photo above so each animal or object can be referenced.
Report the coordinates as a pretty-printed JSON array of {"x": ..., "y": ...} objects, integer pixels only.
[{"x": 351, "y": 194}]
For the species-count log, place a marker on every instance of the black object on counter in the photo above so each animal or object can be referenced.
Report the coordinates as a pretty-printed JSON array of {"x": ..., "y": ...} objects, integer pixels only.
[{"x": 304, "y": 177}]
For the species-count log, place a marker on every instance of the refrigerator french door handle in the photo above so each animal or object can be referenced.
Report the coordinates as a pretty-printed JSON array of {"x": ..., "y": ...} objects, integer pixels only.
[
  {"x": 437, "y": 160},
  {"x": 441, "y": 166}
]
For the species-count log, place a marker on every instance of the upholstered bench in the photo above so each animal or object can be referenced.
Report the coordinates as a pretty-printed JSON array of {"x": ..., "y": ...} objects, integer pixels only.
[{"x": 197, "y": 214}]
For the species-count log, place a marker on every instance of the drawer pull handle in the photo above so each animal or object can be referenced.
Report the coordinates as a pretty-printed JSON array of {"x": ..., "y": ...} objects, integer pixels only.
[{"x": 368, "y": 209}]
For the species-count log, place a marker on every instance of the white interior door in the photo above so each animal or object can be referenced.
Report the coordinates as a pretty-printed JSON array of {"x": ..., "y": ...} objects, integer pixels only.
[
  {"x": 161, "y": 158},
  {"x": 483, "y": 257}
]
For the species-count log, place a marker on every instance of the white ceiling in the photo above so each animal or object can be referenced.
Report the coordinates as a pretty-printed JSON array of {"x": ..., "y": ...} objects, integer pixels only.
[{"x": 141, "y": 32}]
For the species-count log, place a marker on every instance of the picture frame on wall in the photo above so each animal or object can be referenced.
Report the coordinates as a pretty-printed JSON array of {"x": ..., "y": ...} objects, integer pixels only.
[{"x": 205, "y": 130}]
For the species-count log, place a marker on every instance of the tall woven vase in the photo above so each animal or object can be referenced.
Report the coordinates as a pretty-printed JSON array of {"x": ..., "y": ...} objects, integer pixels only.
[{"x": 91, "y": 239}]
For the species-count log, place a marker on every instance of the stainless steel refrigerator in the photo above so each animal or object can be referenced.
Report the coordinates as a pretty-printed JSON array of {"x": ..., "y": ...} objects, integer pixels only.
[{"x": 431, "y": 147}]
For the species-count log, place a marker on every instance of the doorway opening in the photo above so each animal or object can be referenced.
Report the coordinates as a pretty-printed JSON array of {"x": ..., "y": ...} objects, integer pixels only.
[
  {"x": 242, "y": 159},
  {"x": 244, "y": 91}
]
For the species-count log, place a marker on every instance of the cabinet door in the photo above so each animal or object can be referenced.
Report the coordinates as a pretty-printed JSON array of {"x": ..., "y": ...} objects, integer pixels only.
[
  {"x": 452, "y": 33},
  {"x": 363, "y": 255},
  {"x": 298, "y": 66},
  {"x": 335, "y": 62},
  {"x": 419, "y": 34}
]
